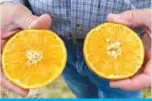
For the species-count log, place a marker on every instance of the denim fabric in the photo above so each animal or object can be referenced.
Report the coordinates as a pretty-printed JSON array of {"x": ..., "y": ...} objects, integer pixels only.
[{"x": 83, "y": 82}]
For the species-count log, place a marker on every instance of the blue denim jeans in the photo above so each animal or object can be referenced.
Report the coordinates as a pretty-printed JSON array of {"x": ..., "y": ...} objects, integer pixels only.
[{"x": 83, "y": 82}]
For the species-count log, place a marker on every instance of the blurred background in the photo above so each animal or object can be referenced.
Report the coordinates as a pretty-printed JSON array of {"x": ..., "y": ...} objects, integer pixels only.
[{"x": 58, "y": 89}]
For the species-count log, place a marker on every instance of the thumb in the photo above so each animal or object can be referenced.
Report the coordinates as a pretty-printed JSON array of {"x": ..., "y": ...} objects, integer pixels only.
[
  {"x": 25, "y": 22},
  {"x": 132, "y": 18},
  {"x": 36, "y": 22}
]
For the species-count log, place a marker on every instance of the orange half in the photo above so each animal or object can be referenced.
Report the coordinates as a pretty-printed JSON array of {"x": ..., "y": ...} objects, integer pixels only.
[
  {"x": 34, "y": 58},
  {"x": 113, "y": 51}
]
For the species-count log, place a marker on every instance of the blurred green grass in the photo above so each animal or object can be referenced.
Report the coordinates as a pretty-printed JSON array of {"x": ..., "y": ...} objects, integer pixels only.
[
  {"x": 147, "y": 93},
  {"x": 58, "y": 89}
]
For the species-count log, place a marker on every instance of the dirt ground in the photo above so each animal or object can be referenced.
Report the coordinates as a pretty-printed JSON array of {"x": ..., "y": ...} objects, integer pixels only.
[{"x": 58, "y": 89}]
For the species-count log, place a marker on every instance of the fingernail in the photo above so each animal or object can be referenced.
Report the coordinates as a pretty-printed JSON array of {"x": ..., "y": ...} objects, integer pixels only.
[
  {"x": 116, "y": 16},
  {"x": 33, "y": 24},
  {"x": 113, "y": 17}
]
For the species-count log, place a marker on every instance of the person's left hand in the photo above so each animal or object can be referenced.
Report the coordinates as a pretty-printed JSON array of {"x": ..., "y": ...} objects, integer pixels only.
[{"x": 136, "y": 18}]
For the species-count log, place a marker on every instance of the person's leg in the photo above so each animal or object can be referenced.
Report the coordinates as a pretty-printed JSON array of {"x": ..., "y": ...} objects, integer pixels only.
[
  {"x": 80, "y": 85},
  {"x": 107, "y": 92}
]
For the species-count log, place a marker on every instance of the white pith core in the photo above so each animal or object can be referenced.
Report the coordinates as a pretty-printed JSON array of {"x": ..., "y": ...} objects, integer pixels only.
[
  {"x": 34, "y": 56},
  {"x": 113, "y": 48}
]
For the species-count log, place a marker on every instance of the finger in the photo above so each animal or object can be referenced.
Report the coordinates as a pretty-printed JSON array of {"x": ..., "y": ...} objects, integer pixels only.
[
  {"x": 7, "y": 84},
  {"x": 2, "y": 45},
  {"x": 5, "y": 38},
  {"x": 147, "y": 45},
  {"x": 43, "y": 22},
  {"x": 137, "y": 82},
  {"x": 29, "y": 21},
  {"x": 7, "y": 32},
  {"x": 32, "y": 21},
  {"x": 132, "y": 18}
]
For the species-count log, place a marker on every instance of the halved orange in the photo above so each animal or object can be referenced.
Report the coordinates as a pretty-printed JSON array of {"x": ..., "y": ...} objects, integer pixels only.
[
  {"x": 34, "y": 58},
  {"x": 113, "y": 51}
]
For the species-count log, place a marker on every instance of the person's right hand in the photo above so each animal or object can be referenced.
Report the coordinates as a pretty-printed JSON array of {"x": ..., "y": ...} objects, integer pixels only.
[
  {"x": 16, "y": 17},
  {"x": 137, "y": 18}
]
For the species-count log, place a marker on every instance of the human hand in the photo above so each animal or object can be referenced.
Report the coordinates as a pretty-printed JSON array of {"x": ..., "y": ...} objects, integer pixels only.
[
  {"x": 136, "y": 18},
  {"x": 16, "y": 17}
]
